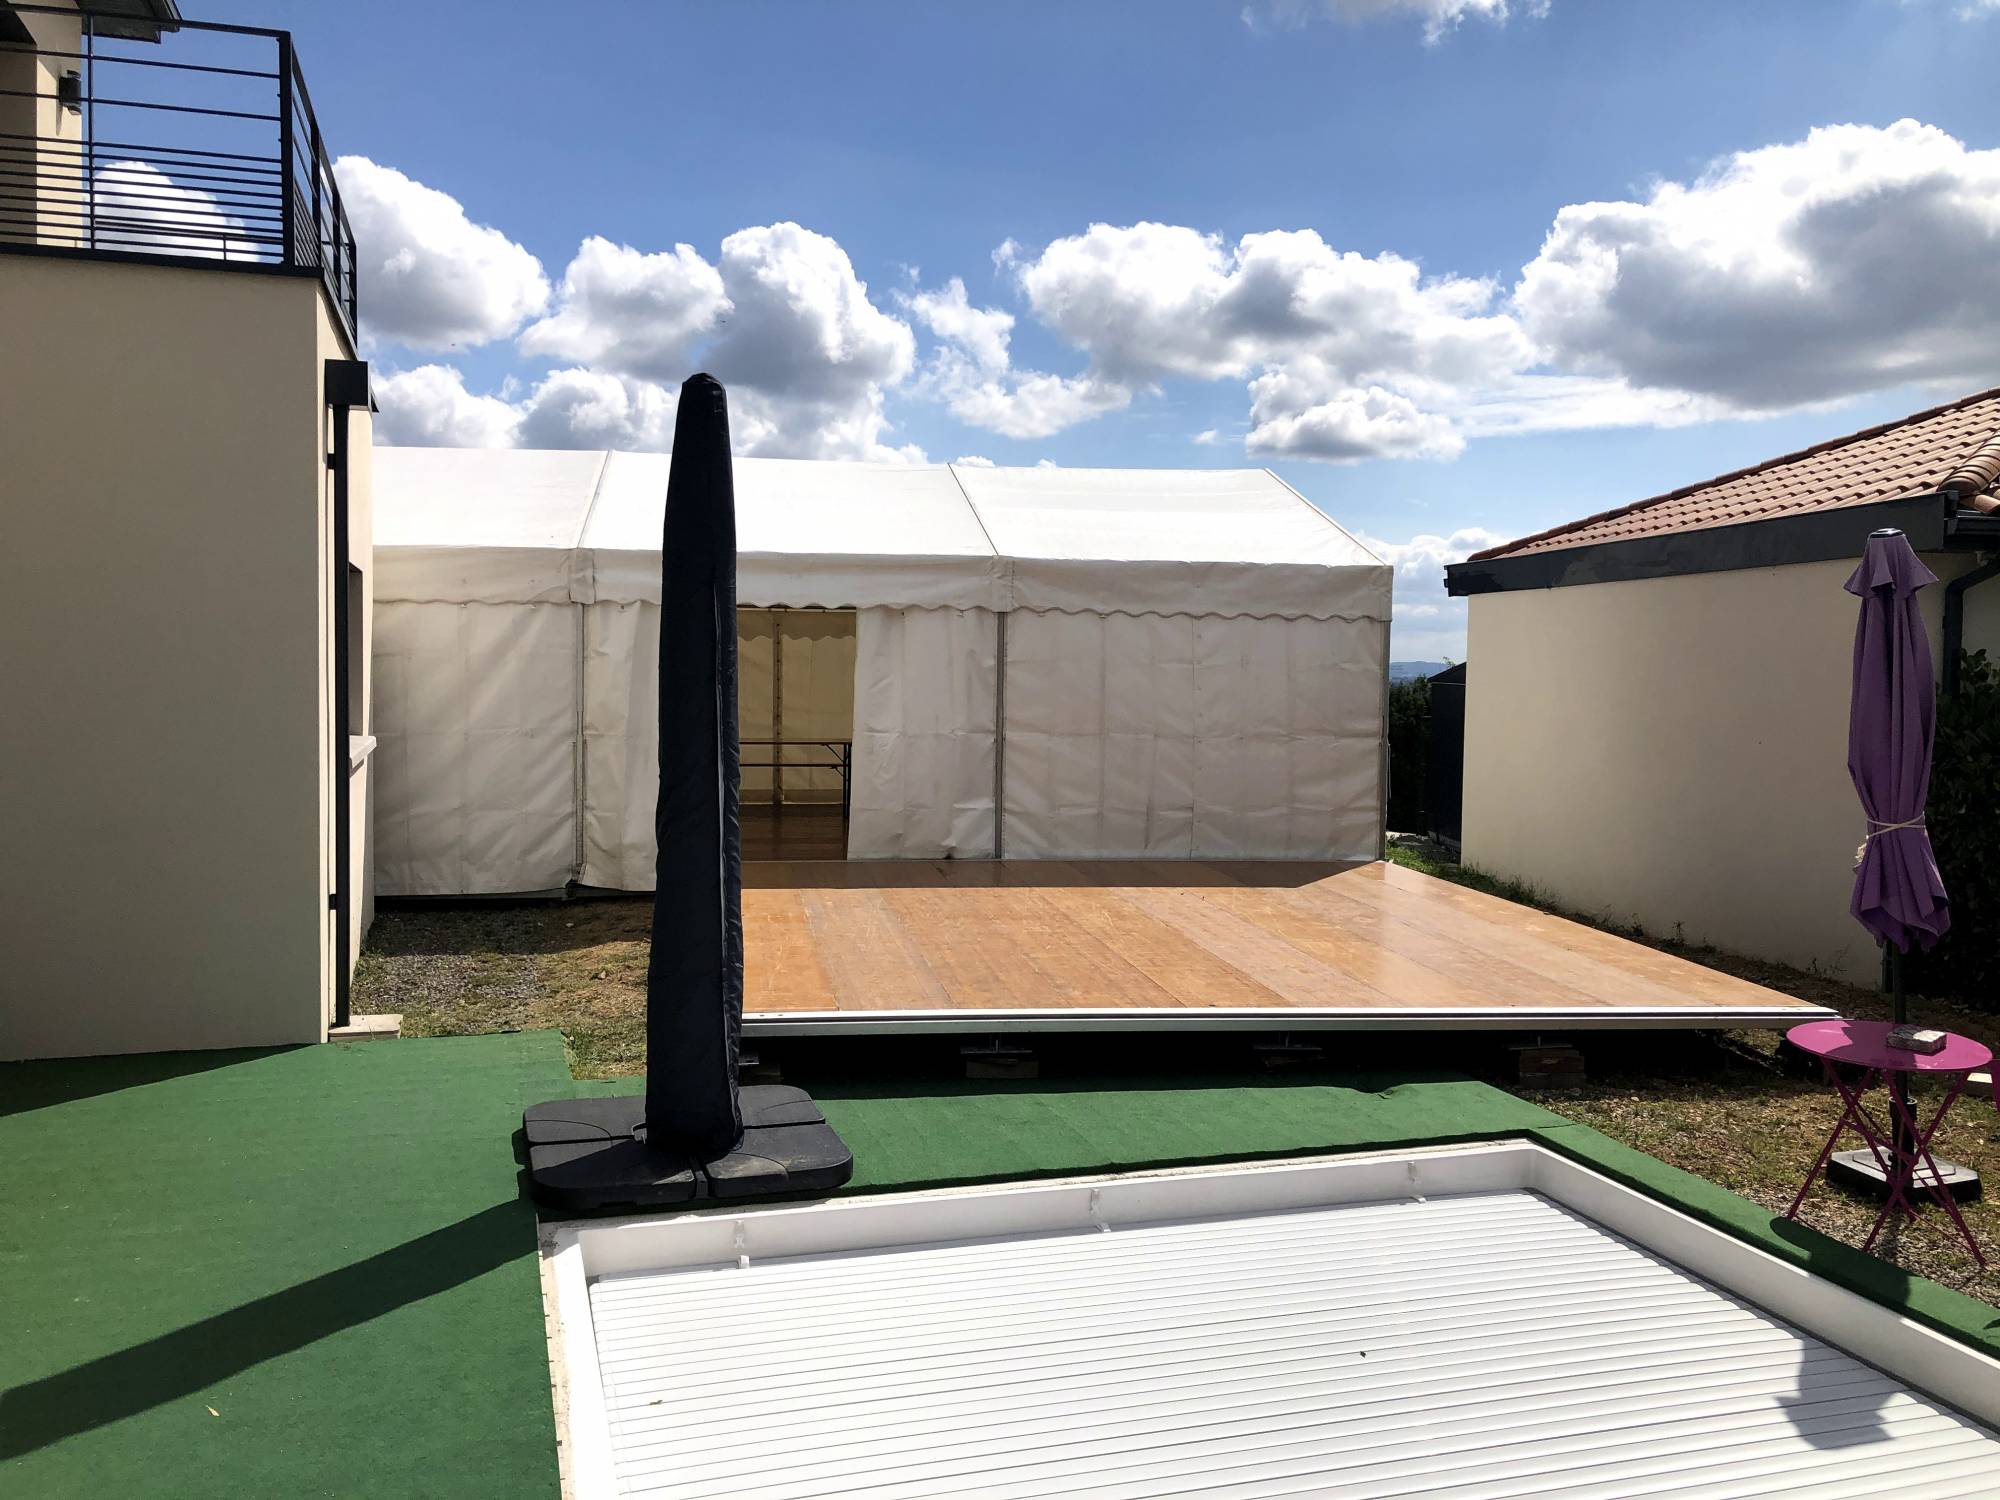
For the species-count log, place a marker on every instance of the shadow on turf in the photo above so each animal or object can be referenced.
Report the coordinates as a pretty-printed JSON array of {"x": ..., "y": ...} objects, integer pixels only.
[
  {"x": 190, "y": 1359},
  {"x": 29, "y": 1086}
]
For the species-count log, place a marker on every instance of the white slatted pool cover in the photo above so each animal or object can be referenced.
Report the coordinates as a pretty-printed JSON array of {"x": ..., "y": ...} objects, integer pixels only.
[{"x": 1492, "y": 1345}]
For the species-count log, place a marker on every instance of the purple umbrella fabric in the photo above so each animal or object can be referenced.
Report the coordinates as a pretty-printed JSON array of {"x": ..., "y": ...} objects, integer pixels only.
[{"x": 1898, "y": 895}]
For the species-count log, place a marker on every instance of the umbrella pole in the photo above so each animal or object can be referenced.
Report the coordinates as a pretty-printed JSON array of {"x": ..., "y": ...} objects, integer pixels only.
[{"x": 1899, "y": 1082}]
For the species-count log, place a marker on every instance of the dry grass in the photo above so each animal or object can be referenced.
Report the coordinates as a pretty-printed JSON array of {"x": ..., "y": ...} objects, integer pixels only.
[
  {"x": 1731, "y": 1114},
  {"x": 1754, "y": 1125},
  {"x": 576, "y": 966}
]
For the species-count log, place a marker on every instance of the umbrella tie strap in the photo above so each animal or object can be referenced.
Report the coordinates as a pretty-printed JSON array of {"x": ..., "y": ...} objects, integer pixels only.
[{"x": 1876, "y": 829}]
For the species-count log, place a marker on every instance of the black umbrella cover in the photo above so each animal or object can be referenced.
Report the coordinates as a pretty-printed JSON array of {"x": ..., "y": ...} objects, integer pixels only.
[{"x": 694, "y": 981}]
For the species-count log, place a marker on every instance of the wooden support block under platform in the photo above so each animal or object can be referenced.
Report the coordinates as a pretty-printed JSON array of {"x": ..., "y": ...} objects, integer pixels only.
[{"x": 982, "y": 946}]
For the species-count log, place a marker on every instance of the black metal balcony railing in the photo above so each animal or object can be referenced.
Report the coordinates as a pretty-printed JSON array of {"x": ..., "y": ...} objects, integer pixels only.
[{"x": 171, "y": 140}]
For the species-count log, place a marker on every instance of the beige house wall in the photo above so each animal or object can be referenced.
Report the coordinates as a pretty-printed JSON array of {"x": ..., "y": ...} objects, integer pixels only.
[
  {"x": 44, "y": 179},
  {"x": 164, "y": 647},
  {"x": 1673, "y": 751}
]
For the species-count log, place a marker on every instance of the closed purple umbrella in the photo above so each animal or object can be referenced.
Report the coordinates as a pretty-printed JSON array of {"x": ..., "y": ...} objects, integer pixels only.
[{"x": 1898, "y": 896}]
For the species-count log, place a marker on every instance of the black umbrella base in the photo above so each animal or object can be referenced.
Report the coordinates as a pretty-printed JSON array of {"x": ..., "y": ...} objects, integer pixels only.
[
  {"x": 588, "y": 1155},
  {"x": 1860, "y": 1171}
]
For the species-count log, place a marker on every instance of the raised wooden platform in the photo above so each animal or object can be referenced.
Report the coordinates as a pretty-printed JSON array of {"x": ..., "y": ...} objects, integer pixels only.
[{"x": 1070, "y": 946}]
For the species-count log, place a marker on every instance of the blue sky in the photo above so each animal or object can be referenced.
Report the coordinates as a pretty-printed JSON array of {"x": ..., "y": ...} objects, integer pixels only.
[{"x": 1742, "y": 286}]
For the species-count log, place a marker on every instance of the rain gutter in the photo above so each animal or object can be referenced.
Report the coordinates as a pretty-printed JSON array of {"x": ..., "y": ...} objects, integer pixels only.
[{"x": 1954, "y": 618}]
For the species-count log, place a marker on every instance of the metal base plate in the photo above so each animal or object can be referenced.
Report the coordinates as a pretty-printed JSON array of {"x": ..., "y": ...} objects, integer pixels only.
[
  {"x": 1858, "y": 1170},
  {"x": 586, "y": 1155}
]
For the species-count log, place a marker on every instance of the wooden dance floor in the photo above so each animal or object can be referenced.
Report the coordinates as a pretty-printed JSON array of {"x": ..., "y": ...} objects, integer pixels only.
[{"x": 839, "y": 947}]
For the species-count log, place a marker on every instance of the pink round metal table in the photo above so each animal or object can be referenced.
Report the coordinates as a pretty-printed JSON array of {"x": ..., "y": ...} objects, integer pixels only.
[{"x": 1903, "y": 1153}]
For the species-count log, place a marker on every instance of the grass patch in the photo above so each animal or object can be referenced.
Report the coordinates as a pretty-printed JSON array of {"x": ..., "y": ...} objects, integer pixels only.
[{"x": 576, "y": 966}]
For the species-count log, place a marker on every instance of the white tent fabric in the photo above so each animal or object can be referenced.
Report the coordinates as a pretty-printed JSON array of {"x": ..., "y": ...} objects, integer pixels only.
[
  {"x": 482, "y": 525},
  {"x": 476, "y": 743},
  {"x": 1172, "y": 541},
  {"x": 924, "y": 700},
  {"x": 826, "y": 535},
  {"x": 1194, "y": 664},
  {"x": 1192, "y": 736}
]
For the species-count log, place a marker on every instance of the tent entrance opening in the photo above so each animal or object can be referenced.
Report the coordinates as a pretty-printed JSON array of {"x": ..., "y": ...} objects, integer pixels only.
[{"x": 795, "y": 716}]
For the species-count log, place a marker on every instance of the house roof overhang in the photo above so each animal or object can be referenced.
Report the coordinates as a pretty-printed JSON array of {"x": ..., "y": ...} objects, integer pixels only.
[
  {"x": 1929, "y": 519},
  {"x": 128, "y": 20}
]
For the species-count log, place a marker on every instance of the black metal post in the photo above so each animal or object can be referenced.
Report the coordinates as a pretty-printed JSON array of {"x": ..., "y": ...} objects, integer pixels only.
[
  {"x": 346, "y": 386},
  {"x": 286, "y": 228},
  {"x": 1954, "y": 619},
  {"x": 90, "y": 125},
  {"x": 319, "y": 227},
  {"x": 342, "y": 795}
]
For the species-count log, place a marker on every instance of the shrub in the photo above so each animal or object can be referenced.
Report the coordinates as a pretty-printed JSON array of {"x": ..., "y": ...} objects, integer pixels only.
[
  {"x": 1964, "y": 819},
  {"x": 1409, "y": 753}
]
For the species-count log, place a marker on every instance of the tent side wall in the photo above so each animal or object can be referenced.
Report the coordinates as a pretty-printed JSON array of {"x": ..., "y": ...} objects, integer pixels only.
[
  {"x": 476, "y": 713},
  {"x": 924, "y": 734},
  {"x": 477, "y": 668},
  {"x": 1193, "y": 736}
]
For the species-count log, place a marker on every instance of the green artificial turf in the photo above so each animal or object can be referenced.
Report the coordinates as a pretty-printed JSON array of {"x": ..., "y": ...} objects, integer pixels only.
[
  {"x": 293, "y": 1273},
  {"x": 311, "y": 1273},
  {"x": 940, "y": 1134},
  {"x": 1918, "y": 1298}
]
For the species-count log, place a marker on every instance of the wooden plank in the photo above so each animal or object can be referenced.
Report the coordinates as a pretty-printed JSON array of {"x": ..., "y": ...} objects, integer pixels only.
[
  {"x": 1002, "y": 949},
  {"x": 870, "y": 962},
  {"x": 1519, "y": 968},
  {"x": 1149, "y": 934},
  {"x": 1675, "y": 981},
  {"x": 781, "y": 962},
  {"x": 1394, "y": 964},
  {"x": 1172, "y": 962},
  {"x": 1459, "y": 973},
  {"x": 1296, "y": 974},
  {"x": 1413, "y": 969}
]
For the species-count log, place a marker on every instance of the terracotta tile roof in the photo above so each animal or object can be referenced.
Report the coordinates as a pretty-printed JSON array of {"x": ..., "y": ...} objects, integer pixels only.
[{"x": 1956, "y": 445}]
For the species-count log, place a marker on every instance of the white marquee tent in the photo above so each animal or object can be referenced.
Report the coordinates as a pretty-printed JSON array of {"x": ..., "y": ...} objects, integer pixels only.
[{"x": 1123, "y": 663}]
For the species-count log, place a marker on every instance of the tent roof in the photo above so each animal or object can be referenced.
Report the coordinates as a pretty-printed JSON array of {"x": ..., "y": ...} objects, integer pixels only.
[
  {"x": 807, "y": 533},
  {"x": 1241, "y": 540},
  {"x": 519, "y": 525}
]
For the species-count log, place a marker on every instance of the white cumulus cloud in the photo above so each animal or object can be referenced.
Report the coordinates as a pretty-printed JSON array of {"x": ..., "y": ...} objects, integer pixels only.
[
  {"x": 1428, "y": 625},
  {"x": 1857, "y": 259},
  {"x": 1438, "y": 16},
  {"x": 630, "y": 312},
  {"x": 779, "y": 317},
  {"x": 430, "y": 407},
  {"x": 430, "y": 277},
  {"x": 1347, "y": 356},
  {"x": 579, "y": 408},
  {"x": 136, "y": 206},
  {"x": 971, "y": 372}
]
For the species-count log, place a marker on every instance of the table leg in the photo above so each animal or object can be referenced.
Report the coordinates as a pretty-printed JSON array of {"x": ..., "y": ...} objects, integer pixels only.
[
  {"x": 1920, "y": 1156},
  {"x": 1851, "y": 1114}
]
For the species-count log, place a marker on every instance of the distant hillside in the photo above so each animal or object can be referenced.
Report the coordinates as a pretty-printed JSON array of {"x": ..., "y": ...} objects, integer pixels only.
[{"x": 1403, "y": 671}]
